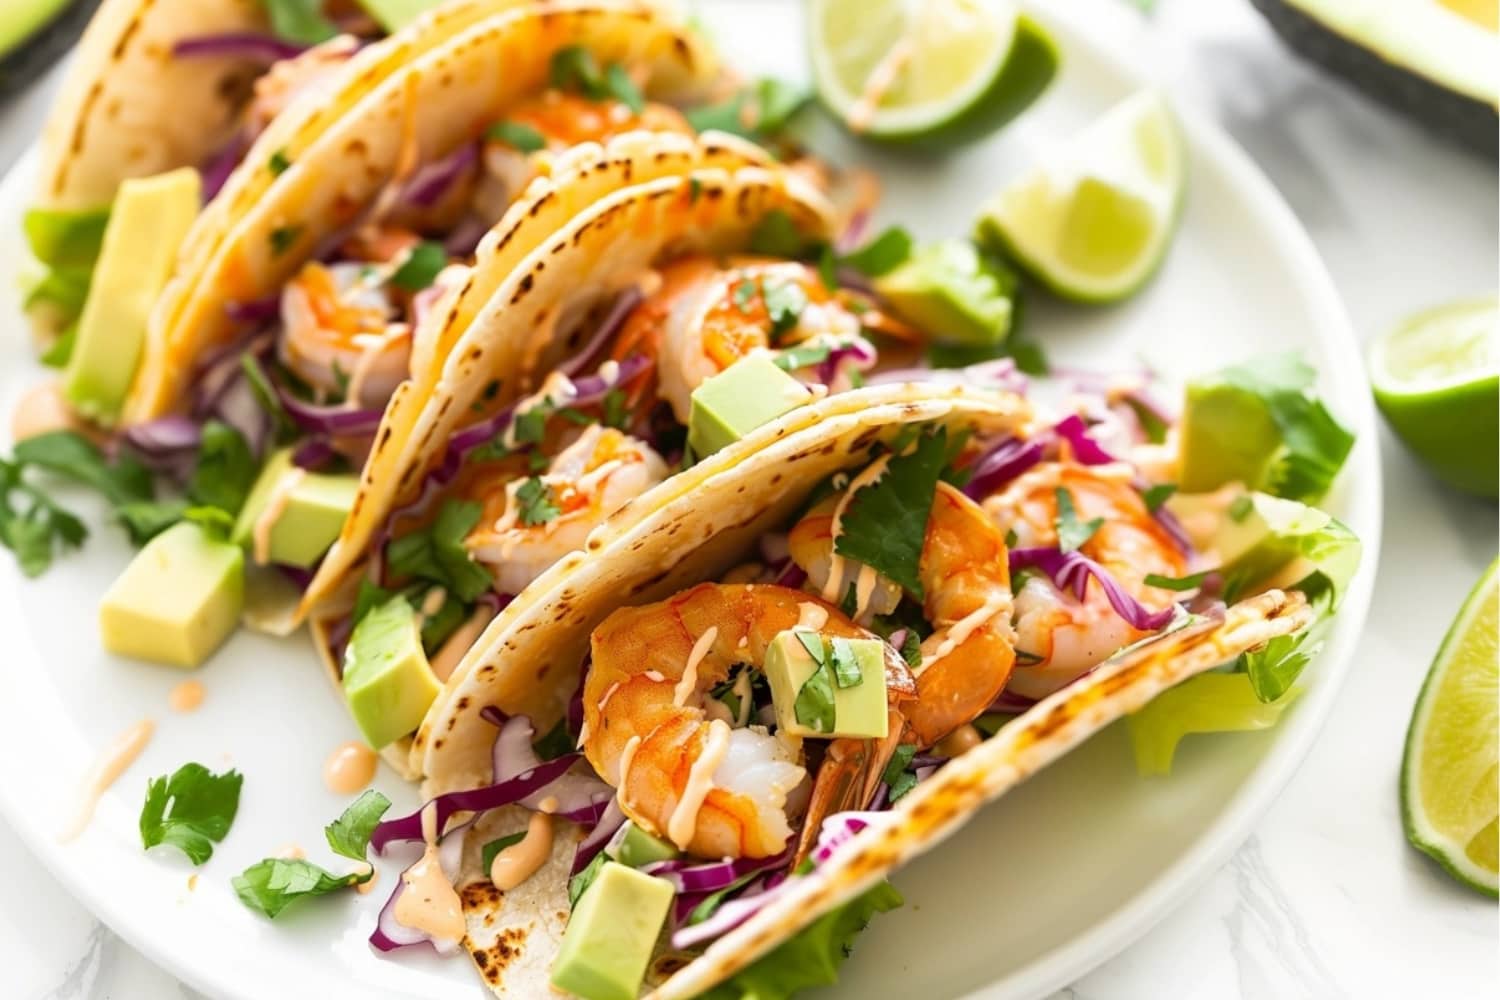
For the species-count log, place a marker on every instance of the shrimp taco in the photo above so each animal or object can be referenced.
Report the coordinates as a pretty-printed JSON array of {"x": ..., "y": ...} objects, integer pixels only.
[
  {"x": 786, "y": 671},
  {"x": 702, "y": 316}
]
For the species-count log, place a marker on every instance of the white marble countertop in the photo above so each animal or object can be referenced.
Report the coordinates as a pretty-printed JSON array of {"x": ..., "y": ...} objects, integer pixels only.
[{"x": 1325, "y": 900}]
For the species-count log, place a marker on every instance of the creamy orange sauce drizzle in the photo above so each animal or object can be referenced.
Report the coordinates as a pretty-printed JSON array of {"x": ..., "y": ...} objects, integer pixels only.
[
  {"x": 689, "y": 683},
  {"x": 460, "y": 642},
  {"x": 684, "y": 821},
  {"x": 186, "y": 697},
  {"x": 349, "y": 768},
  {"x": 518, "y": 862},
  {"x": 869, "y": 476},
  {"x": 368, "y": 884},
  {"x": 41, "y": 409},
  {"x": 626, "y": 756},
  {"x": 429, "y": 903},
  {"x": 864, "y": 589},
  {"x": 965, "y": 626},
  {"x": 112, "y": 763},
  {"x": 810, "y": 615},
  {"x": 879, "y": 83},
  {"x": 281, "y": 495},
  {"x": 291, "y": 852}
]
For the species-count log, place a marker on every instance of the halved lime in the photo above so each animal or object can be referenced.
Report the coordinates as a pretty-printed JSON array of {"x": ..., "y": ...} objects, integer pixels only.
[
  {"x": 1437, "y": 380},
  {"x": 928, "y": 70},
  {"x": 1450, "y": 775},
  {"x": 1093, "y": 221}
]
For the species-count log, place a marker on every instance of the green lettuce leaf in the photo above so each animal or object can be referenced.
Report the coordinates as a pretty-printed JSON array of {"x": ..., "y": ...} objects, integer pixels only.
[
  {"x": 811, "y": 957},
  {"x": 1208, "y": 703}
]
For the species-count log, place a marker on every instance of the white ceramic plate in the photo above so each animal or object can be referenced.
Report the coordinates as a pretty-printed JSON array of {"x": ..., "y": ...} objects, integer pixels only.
[{"x": 1034, "y": 892}]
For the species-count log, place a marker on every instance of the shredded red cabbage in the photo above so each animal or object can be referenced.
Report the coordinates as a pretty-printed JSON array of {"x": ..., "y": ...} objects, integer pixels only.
[
  {"x": 1071, "y": 571},
  {"x": 582, "y": 798},
  {"x": 432, "y": 180},
  {"x": 221, "y": 165},
  {"x": 691, "y": 876},
  {"x": 1000, "y": 464},
  {"x": 600, "y": 837},
  {"x": 619, "y": 312},
  {"x": 1073, "y": 430},
  {"x": 244, "y": 45},
  {"x": 389, "y": 933},
  {"x": 337, "y": 419},
  {"x": 315, "y": 453},
  {"x": 254, "y": 312}
]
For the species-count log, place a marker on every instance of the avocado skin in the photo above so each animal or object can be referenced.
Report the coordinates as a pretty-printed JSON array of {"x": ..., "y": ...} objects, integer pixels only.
[
  {"x": 33, "y": 58},
  {"x": 1457, "y": 116}
]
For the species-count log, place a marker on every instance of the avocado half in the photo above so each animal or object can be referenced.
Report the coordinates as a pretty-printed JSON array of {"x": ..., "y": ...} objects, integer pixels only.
[
  {"x": 1436, "y": 60},
  {"x": 33, "y": 36}
]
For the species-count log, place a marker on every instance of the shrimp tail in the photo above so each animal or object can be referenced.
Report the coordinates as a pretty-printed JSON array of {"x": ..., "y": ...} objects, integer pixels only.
[{"x": 847, "y": 780}]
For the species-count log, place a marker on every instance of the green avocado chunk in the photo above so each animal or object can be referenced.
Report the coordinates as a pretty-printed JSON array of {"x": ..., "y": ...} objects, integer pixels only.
[
  {"x": 1228, "y": 436},
  {"x": 177, "y": 601},
  {"x": 313, "y": 510},
  {"x": 20, "y": 19},
  {"x": 636, "y": 848},
  {"x": 840, "y": 694},
  {"x": 150, "y": 218},
  {"x": 387, "y": 680},
  {"x": 742, "y": 397},
  {"x": 611, "y": 934},
  {"x": 957, "y": 295},
  {"x": 394, "y": 15}
]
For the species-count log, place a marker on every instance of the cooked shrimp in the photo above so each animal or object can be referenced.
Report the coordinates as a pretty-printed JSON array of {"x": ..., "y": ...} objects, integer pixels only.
[
  {"x": 339, "y": 335},
  {"x": 965, "y": 576},
  {"x": 714, "y": 791},
  {"x": 705, "y": 317},
  {"x": 287, "y": 79},
  {"x": 1060, "y": 637},
  {"x": 589, "y": 480}
]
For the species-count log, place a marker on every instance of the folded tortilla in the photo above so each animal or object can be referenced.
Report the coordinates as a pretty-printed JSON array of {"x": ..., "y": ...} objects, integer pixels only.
[
  {"x": 451, "y": 81},
  {"x": 693, "y": 528}
]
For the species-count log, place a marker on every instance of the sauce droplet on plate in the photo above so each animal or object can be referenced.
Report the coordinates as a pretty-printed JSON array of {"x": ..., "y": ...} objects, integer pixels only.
[
  {"x": 112, "y": 763},
  {"x": 186, "y": 697},
  {"x": 349, "y": 768}
]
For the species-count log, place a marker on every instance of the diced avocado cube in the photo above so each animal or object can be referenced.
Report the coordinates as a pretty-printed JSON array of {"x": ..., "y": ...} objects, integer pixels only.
[
  {"x": 177, "y": 601},
  {"x": 957, "y": 295},
  {"x": 1228, "y": 436},
  {"x": 387, "y": 680},
  {"x": 148, "y": 223},
  {"x": 611, "y": 934},
  {"x": 394, "y": 15},
  {"x": 636, "y": 848},
  {"x": 742, "y": 397},
  {"x": 858, "y": 710},
  {"x": 309, "y": 516}
]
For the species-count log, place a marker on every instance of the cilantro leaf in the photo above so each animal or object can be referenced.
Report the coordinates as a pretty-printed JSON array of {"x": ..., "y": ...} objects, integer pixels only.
[
  {"x": 1177, "y": 583},
  {"x": 758, "y": 111},
  {"x": 846, "y": 671},
  {"x": 436, "y": 553},
  {"x": 536, "y": 502},
  {"x": 898, "y": 776},
  {"x": 615, "y": 413},
  {"x": 1072, "y": 533},
  {"x": 191, "y": 810},
  {"x": 75, "y": 457},
  {"x": 555, "y": 743},
  {"x": 278, "y": 164},
  {"x": 349, "y": 835},
  {"x": 574, "y": 68},
  {"x": 882, "y": 254},
  {"x": 579, "y": 884},
  {"x": 370, "y": 596},
  {"x": 517, "y": 135},
  {"x": 215, "y": 522},
  {"x": 814, "y": 705},
  {"x": 797, "y": 358},
  {"x": 1157, "y": 495},
  {"x": 143, "y": 520},
  {"x": 421, "y": 267},
  {"x": 271, "y": 885},
  {"x": 300, "y": 21},
  {"x": 623, "y": 89},
  {"x": 776, "y": 235},
  {"x": 225, "y": 471},
  {"x": 885, "y": 523},
  {"x": 265, "y": 394},
  {"x": 283, "y": 238},
  {"x": 785, "y": 301},
  {"x": 812, "y": 957},
  {"x": 494, "y": 847}
]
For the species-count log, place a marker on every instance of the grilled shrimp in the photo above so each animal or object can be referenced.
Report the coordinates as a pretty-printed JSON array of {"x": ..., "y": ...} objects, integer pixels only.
[
  {"x": 713, "y": 790},
  {"x": 1060, "y": 637},
  {"x": 339, "y": 332},
  {"x": 705, "y": 317},
  {"x": 965, "y": 576},
  {"x": 588, "y": 480}
]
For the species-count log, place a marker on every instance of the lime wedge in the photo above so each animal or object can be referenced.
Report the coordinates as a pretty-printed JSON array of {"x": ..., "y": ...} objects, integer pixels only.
[
  {"x": 1449, "y": 795},
  {"x": 1437, "y": 380},
  {"x": 1093, "y": 221},
  {"x": 941, "y": 71}
]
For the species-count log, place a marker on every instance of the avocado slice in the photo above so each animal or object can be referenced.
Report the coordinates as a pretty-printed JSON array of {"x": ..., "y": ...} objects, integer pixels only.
[
  {"x": 150, "y": 218},
  {"x": 635, "y": 848},
  {"x": 312, "y": 512},
  {"x": 387, "y": 680},
  {"x": 956, "y": 294},
  {"x": 611, "y": 934},
  {"x": 177, "y": 601},
  {"x": 827, "y": 688},
  {"x": 1432, "y": 59},
  {"x": 742, "y": 397},
  {"x": 394, "y": 15}
]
